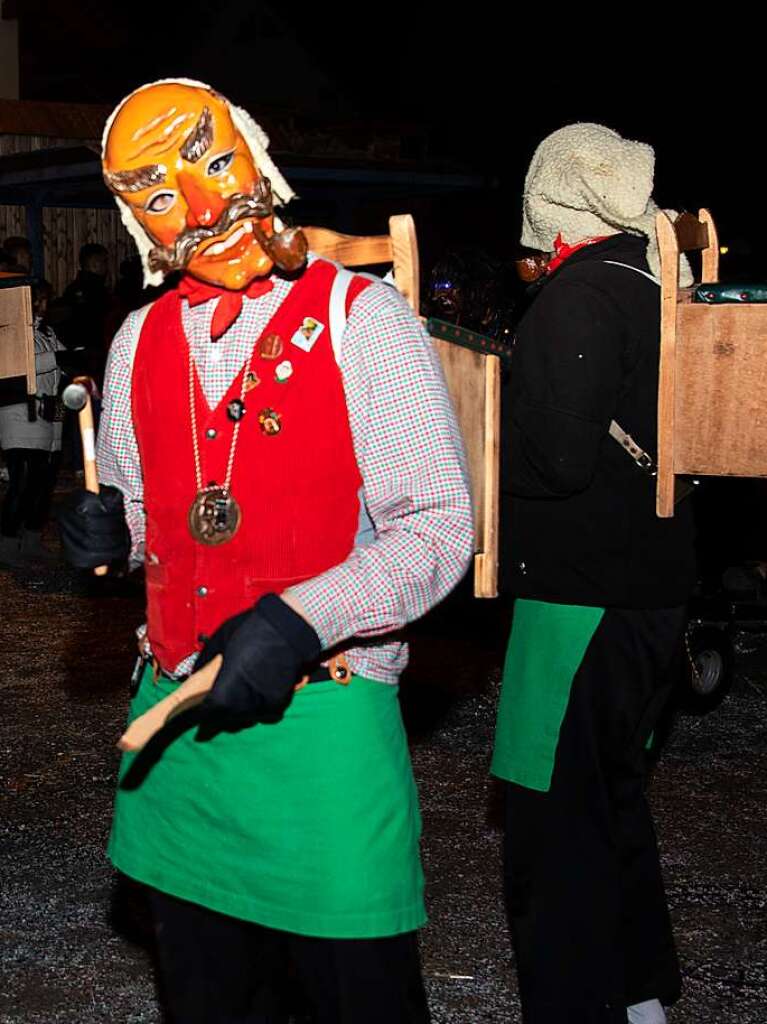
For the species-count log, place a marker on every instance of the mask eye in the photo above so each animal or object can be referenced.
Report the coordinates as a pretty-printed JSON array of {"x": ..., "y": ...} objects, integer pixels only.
[
  {"x": 160, "y": 202},
  {"x": 220, "y": 163}
]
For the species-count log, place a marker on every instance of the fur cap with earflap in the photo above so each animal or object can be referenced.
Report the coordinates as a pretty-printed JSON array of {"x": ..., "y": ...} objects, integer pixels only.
[{"x": 585, "y": 181}]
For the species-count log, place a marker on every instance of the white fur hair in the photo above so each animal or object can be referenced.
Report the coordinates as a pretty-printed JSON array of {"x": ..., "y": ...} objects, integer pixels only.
[
  {"x": 584, "y": 181},
  {"x": 256, "y": 140}
]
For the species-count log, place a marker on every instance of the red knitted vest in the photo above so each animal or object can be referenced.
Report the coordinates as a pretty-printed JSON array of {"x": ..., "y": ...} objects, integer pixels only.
[{"x": 297, "y": 489}]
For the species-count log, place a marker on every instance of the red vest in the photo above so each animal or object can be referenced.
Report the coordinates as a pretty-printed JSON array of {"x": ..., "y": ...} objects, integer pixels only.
[{"x": 297, "y": 489}]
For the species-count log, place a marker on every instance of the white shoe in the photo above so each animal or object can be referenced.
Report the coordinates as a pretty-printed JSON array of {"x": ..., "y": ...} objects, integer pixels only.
[{"x": 649, "y": 1012}]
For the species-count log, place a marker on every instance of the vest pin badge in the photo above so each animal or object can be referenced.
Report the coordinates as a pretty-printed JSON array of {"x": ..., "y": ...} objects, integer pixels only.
[
  {"x": 252, "y": 380},
  {"x": 270, "y": 422},
  {"x": 235, "y": 410},
  {"x": 283, "y": 371},
  {"x": 307, "y": 334},
  {"x": 270, "y": 346}
]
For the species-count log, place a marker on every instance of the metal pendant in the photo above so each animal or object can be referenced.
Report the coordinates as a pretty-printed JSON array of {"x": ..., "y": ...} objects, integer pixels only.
[{"x": 214, "y": 516}]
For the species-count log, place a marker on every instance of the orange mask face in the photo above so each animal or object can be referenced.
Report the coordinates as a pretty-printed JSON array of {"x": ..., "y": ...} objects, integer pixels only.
[{"x": 174, "y": 155}]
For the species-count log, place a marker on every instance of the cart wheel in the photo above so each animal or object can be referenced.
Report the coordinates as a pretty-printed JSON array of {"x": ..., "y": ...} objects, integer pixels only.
[{"x": 708, "y": 671}]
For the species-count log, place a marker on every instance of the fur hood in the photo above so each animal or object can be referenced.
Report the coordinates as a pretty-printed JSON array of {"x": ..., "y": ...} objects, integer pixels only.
[{"x": 585, "y": 180}]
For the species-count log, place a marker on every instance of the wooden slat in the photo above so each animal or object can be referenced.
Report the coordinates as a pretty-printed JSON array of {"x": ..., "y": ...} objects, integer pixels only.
[
  {"x": 486, "y": 562},
  {"x": 710, "y": 268},
  {"x": 351, "y": 250},
  {"x": 473, "y": 381},
  {"x": 17, "y": 345},
  {"x": 669, "y": 260},
  {"x": 405, "y": 258},
  {"x": 12, "y": 222},
  {"x": 721, "y": 390}
]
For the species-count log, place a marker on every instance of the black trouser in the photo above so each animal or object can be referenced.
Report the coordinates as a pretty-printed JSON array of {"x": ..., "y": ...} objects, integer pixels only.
[
  {"x": 220, "y": 970},
  {"x": 31, "y": 479},
  {"x": 585, "y": 897}
]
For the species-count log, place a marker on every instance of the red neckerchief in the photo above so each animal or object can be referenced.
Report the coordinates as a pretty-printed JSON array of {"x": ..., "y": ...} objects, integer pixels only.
[
  {"x": 229, "y": 303},
  {"x": 563, "y": 251}
]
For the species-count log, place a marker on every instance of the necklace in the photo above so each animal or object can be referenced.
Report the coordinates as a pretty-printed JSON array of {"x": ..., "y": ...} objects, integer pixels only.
[{"x": 214, "y": 515}]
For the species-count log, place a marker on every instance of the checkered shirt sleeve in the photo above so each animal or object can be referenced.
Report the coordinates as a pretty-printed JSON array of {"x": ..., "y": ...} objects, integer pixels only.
[
  {"x": 410, "y": 454},
  {"x": 117, "y": 454}
]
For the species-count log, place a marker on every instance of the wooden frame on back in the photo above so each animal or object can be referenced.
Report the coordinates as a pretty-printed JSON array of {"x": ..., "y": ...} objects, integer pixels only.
[
  {"x": 17, "y": 339},
  {"x": 712, "y": 391},
  {"x": 473, "y": 379}
]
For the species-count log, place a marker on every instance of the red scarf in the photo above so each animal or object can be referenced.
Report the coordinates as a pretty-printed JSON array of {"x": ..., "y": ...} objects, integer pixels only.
[
  {"x": 229, "y": 303},
  {"x": 563, "y": 251}
]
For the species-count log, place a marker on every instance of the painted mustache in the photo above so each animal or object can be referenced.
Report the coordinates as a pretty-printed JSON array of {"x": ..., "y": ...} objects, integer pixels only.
[{"x": 287, "y": 248}]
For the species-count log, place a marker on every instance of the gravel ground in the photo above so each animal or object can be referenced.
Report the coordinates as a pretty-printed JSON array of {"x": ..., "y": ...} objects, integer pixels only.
[{"x": 74, "y": 940}]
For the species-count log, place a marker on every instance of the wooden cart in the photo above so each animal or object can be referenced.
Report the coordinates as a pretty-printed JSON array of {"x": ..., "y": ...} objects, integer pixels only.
[
  {"x": 712, "y": 394},
  {"x": 473, "y": 379}
]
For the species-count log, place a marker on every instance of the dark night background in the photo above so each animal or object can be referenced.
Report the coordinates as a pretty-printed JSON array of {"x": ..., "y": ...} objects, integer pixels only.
[{"x": 468, "y": 87}]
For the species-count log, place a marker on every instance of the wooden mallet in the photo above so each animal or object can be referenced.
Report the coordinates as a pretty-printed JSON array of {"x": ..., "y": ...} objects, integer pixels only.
[{"x": 77, "y": 397}]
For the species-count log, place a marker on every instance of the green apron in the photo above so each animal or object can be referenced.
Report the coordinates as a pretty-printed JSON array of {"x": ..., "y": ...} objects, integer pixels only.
[
  {"x": 546, "y": 647},
  {"x": 309, "y": 825}
]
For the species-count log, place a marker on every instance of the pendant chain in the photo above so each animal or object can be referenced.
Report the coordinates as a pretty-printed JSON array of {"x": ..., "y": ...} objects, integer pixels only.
[{"x": 195, "y": 438}]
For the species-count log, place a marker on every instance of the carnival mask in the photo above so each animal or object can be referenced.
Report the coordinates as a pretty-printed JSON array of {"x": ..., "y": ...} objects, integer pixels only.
[{"x": 174, "y": 155}]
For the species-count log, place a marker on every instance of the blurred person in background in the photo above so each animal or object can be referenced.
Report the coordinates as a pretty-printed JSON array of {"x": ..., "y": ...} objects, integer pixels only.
[
  {"x": 83, "y": 314},
  {"x": 19, "y": 253},
  {"x": 30, "y": 437}
]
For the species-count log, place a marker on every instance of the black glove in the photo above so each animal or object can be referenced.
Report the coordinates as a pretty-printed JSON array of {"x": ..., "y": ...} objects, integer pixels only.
[
  {"x": 93, "y": 528},
  {"x": 265, "y": 650}
]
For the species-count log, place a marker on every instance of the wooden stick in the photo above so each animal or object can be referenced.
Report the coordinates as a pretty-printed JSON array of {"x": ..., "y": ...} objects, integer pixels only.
[
  {"x": 189, "y": 693},
  {"x": 88, "y": 437}
]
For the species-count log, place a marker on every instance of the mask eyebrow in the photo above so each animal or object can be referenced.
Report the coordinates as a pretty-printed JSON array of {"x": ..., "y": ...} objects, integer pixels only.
[
  {"x": 135, "y": 180},
  {"x": 200, "y": 138}
]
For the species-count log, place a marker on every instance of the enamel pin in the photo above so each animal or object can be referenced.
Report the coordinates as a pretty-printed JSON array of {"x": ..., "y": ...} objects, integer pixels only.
[
  {"x": 307, "y": 334},
  {"x": 270, "y": 347},
  {"x": 283, "y": 371},
  {"x": 269, "y": 421}
]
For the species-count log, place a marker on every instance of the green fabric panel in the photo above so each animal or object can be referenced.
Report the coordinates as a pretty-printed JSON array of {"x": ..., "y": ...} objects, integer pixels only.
[
  {"x": 310, "y": 825},
  {"x": 546, "y": 646}
]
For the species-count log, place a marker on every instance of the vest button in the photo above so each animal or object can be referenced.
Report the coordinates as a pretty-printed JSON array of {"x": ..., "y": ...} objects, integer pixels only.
[
  {"x": 202, "y": 591},
  {"x": 211, "y": 433}
]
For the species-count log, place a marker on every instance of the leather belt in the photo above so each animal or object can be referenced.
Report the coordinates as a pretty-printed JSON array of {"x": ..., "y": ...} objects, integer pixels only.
[{"x": 336, "y": 669}]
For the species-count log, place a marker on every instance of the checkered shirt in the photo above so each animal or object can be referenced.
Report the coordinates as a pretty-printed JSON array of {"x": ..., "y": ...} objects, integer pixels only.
[{"x": 408, "y": 448}]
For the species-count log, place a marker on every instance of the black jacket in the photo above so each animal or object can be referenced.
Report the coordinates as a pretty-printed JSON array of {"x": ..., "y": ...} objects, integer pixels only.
[{"x": 579, "y": 523}]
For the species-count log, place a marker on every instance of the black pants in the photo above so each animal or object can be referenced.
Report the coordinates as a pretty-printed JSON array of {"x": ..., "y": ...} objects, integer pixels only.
[
  {"x": 31, "y": 479},
  {"x": 220, "y": 970},
  {"x": 585, "y": 898}
]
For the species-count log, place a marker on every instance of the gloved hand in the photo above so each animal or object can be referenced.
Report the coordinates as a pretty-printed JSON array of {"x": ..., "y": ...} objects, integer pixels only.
[
  {"x": 93, "y": 528},
  {"x": 266, "y": 650}
]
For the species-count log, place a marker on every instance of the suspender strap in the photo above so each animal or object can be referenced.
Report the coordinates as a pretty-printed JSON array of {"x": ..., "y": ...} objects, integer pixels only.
[{"x": 627, "y": 442}]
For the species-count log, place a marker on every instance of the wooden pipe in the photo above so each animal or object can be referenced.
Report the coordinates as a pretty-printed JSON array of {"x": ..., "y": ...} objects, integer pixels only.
[{"x": 189, "y": 693}]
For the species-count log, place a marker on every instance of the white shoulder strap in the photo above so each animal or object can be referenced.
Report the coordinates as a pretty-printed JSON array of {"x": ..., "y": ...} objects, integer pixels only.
[
  {"x": 644, "y": 273},
  {"x": 338, "y": 294}
]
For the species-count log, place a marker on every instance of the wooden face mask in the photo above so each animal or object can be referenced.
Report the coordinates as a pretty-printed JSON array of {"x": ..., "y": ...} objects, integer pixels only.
[{"x": 174, "y": 155}]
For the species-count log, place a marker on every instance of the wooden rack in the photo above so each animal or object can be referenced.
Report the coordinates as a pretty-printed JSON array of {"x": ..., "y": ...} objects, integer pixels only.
[
  {"x": 17, "y": 339},
  {"x": 473, "y": 380},
  {"x": 712, "y": 392}
]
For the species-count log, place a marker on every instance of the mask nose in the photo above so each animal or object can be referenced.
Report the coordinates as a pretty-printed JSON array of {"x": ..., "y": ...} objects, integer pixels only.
[{"x": 203, "y": 207}]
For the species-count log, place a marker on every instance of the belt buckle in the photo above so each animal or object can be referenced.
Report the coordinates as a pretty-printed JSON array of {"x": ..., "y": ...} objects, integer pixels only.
[{"x": 339, "y": 670}]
